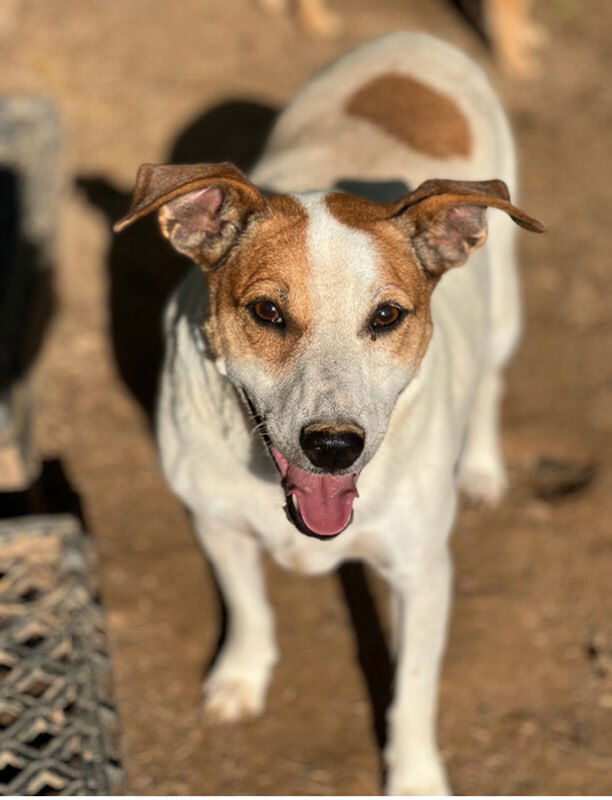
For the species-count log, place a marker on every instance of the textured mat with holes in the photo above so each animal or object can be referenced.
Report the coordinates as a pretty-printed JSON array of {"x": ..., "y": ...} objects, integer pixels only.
[{"x": 59, "y": 730}]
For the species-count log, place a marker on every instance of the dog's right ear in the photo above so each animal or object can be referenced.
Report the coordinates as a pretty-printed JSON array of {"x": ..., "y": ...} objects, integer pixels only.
[{"x": 202, "y": 208}]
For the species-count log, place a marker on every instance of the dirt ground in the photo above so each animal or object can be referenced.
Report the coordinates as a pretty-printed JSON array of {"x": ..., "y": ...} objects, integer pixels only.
[{"x": 526, "y": 697}]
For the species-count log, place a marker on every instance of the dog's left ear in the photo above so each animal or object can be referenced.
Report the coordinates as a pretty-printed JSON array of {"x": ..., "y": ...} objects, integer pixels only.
[
  {"x": 446, "y": 220},
  {"x": 202, "y": 208}
]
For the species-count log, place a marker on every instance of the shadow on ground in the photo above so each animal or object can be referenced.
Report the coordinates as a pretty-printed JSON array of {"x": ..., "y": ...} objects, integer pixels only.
[
  {"x": 142, "y": 267},
  {"x": 51, "y": 493}
]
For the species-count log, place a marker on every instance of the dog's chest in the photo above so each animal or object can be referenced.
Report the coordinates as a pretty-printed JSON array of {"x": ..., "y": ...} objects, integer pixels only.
[
  {"x": 291, "y": 549},
  {"x": 295, "y": 551}
]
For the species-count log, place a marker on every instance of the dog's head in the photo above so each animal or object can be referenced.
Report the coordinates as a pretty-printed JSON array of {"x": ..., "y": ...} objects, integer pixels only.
[{"x": 320, "y": 307}]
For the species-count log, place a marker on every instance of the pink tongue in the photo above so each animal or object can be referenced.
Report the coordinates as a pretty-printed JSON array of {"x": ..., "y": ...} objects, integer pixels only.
[{"x": 325, "y": 501}]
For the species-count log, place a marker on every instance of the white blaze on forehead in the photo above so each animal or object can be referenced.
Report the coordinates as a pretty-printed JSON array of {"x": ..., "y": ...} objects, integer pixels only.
[
  {"x": 339, "y": 374},
  {"x": 343, "y": 263}
]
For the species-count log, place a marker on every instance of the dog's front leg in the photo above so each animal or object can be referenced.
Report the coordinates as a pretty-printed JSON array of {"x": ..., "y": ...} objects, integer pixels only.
[
  {"x": 413, "y": 761},
  {"x": 236, "y": 686}
]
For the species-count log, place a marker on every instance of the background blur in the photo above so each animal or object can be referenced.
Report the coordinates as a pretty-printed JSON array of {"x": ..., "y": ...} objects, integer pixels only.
[{"x": 526, "y": 700}]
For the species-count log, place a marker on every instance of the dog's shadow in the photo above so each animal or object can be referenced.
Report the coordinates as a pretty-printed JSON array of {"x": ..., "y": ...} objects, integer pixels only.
[
  {"x": 371, "y": 646},
  {"x": 143, "y": 269}
]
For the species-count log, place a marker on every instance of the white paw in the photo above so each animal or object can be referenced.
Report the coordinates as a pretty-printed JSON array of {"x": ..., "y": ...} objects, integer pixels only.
[
  {"x": 233, "y": 697},
  {"x": 416, "y": 771},
  {"x": 482, "y": 484},
  {"x": 430, "y": 783}
]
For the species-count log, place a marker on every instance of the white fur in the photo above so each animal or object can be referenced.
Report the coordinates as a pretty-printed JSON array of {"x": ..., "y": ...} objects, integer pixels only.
[
  {"x": 340, "y": 256},
  {"x": 444, "y": 421}
]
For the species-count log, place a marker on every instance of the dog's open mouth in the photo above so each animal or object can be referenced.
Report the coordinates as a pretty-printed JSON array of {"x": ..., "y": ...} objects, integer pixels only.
[{"x": 318, "y": 505}]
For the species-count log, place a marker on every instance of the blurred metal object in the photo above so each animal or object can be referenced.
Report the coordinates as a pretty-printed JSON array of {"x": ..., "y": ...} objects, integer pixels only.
[
  {"x": 30, "y": 183},
  {"x": 59, "y": 730}
]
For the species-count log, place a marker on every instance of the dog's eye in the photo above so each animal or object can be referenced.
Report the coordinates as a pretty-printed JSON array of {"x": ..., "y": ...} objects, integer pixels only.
[
  {"x": 267, "y": 311},
  {"x": 386, "y": 316}
]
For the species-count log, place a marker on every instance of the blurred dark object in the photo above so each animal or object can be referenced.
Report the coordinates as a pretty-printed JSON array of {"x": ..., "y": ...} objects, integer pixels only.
[
  {"x": 51, "y": 493},
  {"x": 598, "y": 650},
  {"x": 553, "y": 478},
  {"x": 143, "y": 267},
  {"x": 378, "y": 191},
  {"x": 59, "y": 731},
  {"x": 29, "y": 189},
  {"x": 234, "y": 131}
]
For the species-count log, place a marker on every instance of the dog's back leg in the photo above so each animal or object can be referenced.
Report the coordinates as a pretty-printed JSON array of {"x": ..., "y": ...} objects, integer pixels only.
[
  {"x": 482, "y": 475},
  {"x": 237, "y": 684}
]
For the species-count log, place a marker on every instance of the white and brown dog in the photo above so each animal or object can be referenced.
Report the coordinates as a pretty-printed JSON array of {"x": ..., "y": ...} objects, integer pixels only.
[{"x": 323, "y": 322}]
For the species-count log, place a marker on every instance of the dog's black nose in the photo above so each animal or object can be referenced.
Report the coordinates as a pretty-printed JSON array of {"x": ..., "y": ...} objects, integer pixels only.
[{"x": 332, "y": 447}]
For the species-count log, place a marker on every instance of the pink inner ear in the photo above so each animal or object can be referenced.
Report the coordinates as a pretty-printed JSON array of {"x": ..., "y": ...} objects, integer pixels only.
[
  {"x": 466, "y": 221},
  {"x": 463, "y": 229},
  {"x": 198, "y": 212}
]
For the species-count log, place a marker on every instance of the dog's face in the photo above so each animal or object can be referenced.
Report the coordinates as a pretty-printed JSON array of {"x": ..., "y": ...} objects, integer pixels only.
[
  {"x": 321, "y": 323},
  {"x": 320, "y": 309}
]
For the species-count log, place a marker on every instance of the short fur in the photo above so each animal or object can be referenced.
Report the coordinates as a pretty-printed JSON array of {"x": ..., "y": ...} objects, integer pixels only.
[{"x": 424, "y": 394}]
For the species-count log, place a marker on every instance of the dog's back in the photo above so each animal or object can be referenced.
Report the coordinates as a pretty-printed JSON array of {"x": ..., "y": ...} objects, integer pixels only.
[{"x": 405, "y": 106}]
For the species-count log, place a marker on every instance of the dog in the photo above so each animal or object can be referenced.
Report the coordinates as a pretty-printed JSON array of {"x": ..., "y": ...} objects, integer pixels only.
[
  {"x": 321, "y": 359},
  {"x": 515, "y": 37},
  {"x": 508, "y": 25}
]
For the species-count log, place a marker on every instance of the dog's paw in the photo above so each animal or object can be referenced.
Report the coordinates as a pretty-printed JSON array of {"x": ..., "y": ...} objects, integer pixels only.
[
  {"x": 418, "y": 782},
  {"x": 232, "y": 697},
  {"x": 482, "y": 486},
  {"x": 415, "y": 771}
]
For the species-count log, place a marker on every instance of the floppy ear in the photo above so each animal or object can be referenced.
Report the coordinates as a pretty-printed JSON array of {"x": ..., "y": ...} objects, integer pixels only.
[
  {"x": 202, "y": 208},
  {"x": 446, "y": 219}
]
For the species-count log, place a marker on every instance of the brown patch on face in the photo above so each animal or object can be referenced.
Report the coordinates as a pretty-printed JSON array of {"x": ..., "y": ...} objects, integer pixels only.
[
  {"x": 269, "y": 262},
  {"x": 357, "y": 212},
  {"x": 402, "y": 279},
  {"x": 416, "y": 114}
]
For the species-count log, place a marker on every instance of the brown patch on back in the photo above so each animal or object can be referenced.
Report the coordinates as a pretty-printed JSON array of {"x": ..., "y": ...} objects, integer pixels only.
[
  {"x": 416, "y": 114},
  {"x": 270, "y": 261}
]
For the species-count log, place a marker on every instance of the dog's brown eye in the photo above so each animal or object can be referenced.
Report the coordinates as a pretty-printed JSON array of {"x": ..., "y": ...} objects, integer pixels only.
[
  {"x": 386, "y": 316},
  {"x": 267, "y": 311}
]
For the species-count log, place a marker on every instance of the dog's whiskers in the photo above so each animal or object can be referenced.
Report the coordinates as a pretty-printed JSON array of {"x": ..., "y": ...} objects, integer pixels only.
[{"x": 259, "y": 429}]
